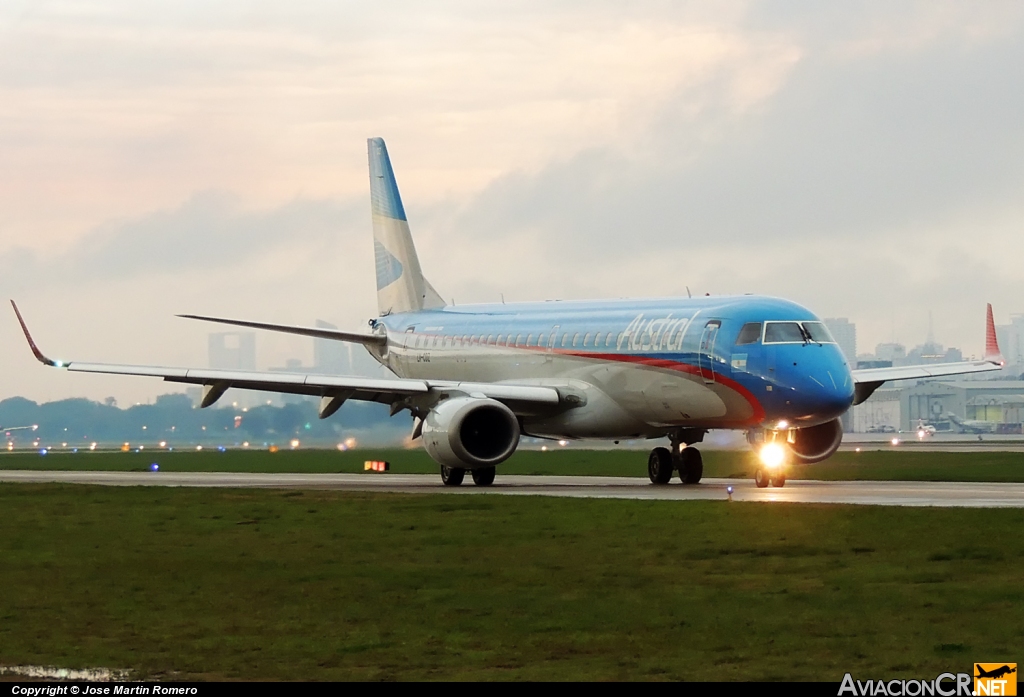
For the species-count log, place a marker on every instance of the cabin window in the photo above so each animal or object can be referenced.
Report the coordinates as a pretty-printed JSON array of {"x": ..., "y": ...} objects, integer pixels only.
[
  {"x": 609, "y": 340},
  {"x": 565, "y": 339},
  {"x": 575, "y": 339},
  {"x": 597, "y": 340},
  {"x": 529, "y": 339},
  {"x": 783, "y": 333},
  {"x": 618, "y": 340},
  {"x": 586, "y": 339},
  {"x": 519, "y": 339},
  {"x": 749, "y": 334},
  {"x": 490, "y": 338},
  {"x": 447, "y": 342}
]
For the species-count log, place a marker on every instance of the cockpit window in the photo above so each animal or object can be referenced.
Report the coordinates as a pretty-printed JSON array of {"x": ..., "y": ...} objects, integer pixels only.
[
  {"x": 796, "y": 332},
  {"x": 783, "y": 332},
  {"x": 818, "y": 332},
  {"x": 749, "y": 334}
]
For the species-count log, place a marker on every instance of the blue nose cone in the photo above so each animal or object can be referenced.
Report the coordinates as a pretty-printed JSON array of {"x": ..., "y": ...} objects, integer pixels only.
[
  {"x": 830, "y": 401},
  {"x": 817, "y": 383}
]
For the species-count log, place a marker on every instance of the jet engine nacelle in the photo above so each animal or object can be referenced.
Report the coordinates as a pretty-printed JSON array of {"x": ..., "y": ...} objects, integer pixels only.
[
  {"x": 816, "y": 443},
  {"x": 470, "y": 432}
]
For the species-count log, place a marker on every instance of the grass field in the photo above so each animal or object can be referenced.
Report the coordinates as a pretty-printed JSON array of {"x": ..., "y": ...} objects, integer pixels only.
[
  {"x": 844, "y": 465},
  {"x": 332, "y": 585}
]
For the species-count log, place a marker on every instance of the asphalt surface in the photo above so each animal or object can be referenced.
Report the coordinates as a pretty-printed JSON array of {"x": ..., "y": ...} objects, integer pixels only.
[{"x": 962, "y": 494}]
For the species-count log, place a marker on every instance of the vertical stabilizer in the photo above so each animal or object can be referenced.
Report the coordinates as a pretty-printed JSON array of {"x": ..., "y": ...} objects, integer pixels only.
[{"x": 400, "y": 283}]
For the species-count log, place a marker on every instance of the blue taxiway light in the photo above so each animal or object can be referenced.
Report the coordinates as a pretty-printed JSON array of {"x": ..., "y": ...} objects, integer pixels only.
[{"x": 154, "y": 467}]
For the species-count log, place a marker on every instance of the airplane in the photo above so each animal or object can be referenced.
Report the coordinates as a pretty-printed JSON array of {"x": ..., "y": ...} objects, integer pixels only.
[
  {"x": 972, "y": 425},
  {"x": 996, "y": 672},
  {"x": 924, "y": 430},
  {"x": 7, "y": 429},
  {"x": 476, "y": 378}
]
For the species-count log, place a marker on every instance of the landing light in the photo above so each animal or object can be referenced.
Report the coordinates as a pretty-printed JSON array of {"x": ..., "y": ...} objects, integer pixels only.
[
  {"x": 920, "y": 434},
  {"x": 895, "y": 441},
  {"x": 772, "y": 455},
  {"x": 783, "y": 425}
]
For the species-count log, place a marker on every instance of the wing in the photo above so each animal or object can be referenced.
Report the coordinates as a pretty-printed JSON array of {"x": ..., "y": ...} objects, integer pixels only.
[
  {"x": 868, "y": 380},
  {"x": 17, "y": 428},
  {"x": 334, "y": 390}
]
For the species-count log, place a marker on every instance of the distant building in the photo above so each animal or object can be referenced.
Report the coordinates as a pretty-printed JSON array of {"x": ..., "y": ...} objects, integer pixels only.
[
  {"x": 233, "y": 350},
  {"x": 997, "y": 403},
  {"x": 329, "y": 356},
  {"x": 891, "y": 351},
  {"x": 845, "y": 333},
  {"x": 933, "y": 352},
  {"x": 1011, "y": 340},
  {"x": 880, "y": 414}
]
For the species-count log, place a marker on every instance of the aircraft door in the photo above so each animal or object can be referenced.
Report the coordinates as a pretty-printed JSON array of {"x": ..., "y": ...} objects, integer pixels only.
[
  {"x": 706, "y": 353},
  {"x": 549, "y": 354}
]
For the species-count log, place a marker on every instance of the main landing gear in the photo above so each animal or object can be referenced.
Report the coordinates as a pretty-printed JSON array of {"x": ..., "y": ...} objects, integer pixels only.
[
  {"x": 681, "y": 457},
  {"x": 453, "y": 476}
]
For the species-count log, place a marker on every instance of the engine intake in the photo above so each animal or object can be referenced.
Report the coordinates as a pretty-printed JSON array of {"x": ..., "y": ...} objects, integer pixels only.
[
  {"x": 816, "y": 443},
  {"x": 470, "y": 432}
]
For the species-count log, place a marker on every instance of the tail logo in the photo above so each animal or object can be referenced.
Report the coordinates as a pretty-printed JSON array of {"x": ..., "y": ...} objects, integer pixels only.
[{"x": 389, "y": 268}]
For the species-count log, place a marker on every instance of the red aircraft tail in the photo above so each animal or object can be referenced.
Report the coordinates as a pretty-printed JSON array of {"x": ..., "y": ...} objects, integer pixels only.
[{"x": 992, "y": 352}]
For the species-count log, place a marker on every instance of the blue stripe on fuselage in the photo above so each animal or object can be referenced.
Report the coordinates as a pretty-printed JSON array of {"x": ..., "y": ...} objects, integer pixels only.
[{"x": 808, "y": 383}]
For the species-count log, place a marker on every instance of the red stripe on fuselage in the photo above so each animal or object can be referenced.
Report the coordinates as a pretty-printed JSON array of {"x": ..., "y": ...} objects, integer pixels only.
[{"x": 664, "y": 363}]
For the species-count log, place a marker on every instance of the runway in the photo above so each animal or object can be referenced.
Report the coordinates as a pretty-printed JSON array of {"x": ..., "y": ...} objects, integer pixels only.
[{"x": 945, "y": 494}]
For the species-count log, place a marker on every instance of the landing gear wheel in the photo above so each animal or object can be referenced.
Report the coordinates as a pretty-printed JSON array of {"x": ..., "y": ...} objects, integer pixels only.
[
  {"x": 483, "y": 476},
  {"x": 659, "y": 466},
  {"x": 691, "y": 466},
  {"x": 452, "y": 476},
  {"x": 779, "y": 480},
  {"x": 760, "y": 478}
]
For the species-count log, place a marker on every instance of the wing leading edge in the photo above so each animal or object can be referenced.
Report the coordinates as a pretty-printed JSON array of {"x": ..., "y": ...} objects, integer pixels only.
[
  {"x": 868, "y": 380},
  {"x": 334, "y": 390}
]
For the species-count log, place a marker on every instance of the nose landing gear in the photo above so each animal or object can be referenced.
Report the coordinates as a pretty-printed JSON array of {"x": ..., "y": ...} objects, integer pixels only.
[{"x": 764, "y": 477}]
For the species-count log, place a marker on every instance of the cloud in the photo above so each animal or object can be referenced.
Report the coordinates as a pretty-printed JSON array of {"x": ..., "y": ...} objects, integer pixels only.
[
  {"x": 864, "y": 159},
  {"x": 207, "y": 232}
]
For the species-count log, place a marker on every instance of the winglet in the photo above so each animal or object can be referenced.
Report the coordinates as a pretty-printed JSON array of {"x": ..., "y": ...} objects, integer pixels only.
[
  {"x": 992, "y": 352},
  {"x": 32, "y": 344}
]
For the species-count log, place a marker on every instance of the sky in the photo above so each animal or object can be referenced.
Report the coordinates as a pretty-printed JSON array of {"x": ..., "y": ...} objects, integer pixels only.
[{"x": 865, "y": 159}]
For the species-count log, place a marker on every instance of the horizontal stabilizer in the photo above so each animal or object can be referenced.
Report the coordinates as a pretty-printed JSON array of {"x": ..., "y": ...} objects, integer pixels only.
[{"x": 317, "y": 332}]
